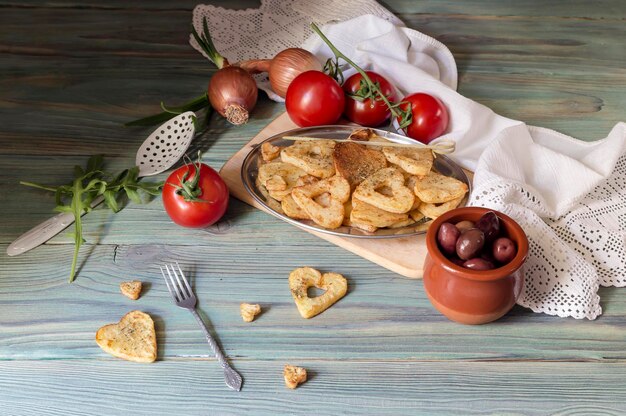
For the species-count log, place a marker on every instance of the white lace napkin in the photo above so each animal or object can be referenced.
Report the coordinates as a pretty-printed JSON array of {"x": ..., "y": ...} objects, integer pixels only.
[
  {"x": 276, "y": 25},
  {"x": 566, "y": 194}
]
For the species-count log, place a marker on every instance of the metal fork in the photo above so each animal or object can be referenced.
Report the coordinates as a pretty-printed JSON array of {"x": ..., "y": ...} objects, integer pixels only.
[{"x": 184, "y": 297}]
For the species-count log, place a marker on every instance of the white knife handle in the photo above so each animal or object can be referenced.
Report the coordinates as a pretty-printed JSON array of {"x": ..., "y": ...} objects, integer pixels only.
[{"x": 44, "y": 231}]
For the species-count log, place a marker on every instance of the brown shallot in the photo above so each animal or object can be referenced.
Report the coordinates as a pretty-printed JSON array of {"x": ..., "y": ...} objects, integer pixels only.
[{"x": 232, "y": 91}]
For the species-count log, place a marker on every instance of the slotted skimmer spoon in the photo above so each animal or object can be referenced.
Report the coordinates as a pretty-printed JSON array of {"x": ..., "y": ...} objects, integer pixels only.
[{"x": 159, "y": 152}]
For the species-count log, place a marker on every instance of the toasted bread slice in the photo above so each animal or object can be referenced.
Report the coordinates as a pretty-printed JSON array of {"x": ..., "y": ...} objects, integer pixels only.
[{"x": 356, "y": 162}]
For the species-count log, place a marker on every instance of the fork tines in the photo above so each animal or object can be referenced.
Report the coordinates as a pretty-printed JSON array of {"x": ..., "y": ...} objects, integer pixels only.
[{"x": 176, "y": 282}]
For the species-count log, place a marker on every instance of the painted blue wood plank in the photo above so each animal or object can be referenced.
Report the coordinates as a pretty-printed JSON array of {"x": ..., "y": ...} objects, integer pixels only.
[{"x": 196, "y": 387}]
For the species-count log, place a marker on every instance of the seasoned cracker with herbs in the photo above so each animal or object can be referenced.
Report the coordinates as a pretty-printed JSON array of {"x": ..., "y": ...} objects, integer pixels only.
[
  {"x": 365, "y": 182},
  {"x": 133, "y": 338},
  {"x": 131, "y": 290},
  {"x": 294, "y": 376},
  {"x": 436, "y": 188},
  {"x": 249, "y": 311},
  {"x": 301, "y": 279}
]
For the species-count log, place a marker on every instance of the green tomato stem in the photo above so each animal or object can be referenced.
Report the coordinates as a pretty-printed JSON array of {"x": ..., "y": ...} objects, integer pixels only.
[{"x": 338, "y": 54}]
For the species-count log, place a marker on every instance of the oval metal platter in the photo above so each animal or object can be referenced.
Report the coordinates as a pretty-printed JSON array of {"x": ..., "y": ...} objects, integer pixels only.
[{"x": 253, "y": 160}]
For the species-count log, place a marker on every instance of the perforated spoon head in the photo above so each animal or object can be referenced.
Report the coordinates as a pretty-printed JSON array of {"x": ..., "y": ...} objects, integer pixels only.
[{"x": 166, "y": 145}]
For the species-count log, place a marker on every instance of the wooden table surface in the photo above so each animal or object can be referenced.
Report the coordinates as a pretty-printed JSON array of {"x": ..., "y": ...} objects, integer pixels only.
[{"x": 72, "y": 72}]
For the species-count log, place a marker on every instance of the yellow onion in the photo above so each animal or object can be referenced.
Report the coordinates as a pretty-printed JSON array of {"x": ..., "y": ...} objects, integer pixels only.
[
  {"x": 232, "y": 93},
  {"x": 287, "y": 65},
  {"x": 284, "y": 67}
]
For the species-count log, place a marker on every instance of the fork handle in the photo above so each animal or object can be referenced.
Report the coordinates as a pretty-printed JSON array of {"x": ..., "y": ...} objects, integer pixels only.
[
  {"x": 233, "y": 378},
  {"x": 216, "y": 349}
]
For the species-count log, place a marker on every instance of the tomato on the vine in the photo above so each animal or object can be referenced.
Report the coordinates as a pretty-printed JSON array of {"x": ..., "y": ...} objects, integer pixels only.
[
  {"x": 430, "y": 117},
  {"x": 313, "y": 99},
  {"x": 367, "y": 112},
  {"x": 195, "y": 196}
]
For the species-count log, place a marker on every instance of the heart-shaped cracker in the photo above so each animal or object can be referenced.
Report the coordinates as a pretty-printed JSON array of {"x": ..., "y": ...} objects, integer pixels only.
[
  {"x": 300, "y": 280},
  {"x": 364, "y": 213},
  {"x": 293, "y": 210},
  {"x": 436, "y": 188},
  {"x": 435, "y": 210},
  {"x": 270, "y": 152},
  {"x": 279, "y": 178},
  {"x": 271, "y": 202},
  {"x": 396, "y": 198},
  {"x": 131, "y": 290},
  {"x": 410, "y": 182},
  {"x": 415, "y": 160},
  {"x": 133, "y": 338},
  {"x": 314, "y": 157},
  {"x": 330, "y": 212}
]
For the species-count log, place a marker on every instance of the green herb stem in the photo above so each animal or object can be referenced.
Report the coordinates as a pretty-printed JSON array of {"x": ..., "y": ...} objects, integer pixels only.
[
  {"x": 170, "y": 112},
  {"x": 78, "y": 242},
  {"x": 35, "y": 185}
]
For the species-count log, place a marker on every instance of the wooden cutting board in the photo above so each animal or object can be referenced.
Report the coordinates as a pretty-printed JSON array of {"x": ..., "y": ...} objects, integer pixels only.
[{"x": 403, "y": 255}]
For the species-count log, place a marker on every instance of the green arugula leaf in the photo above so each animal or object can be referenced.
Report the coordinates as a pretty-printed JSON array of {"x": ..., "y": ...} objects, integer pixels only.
[
  {"x": 110, "y": 201},
  {"x": 95, "y": 163},
  {"x": 87, "y": 185},
  {"x": 133, "y": 195}
]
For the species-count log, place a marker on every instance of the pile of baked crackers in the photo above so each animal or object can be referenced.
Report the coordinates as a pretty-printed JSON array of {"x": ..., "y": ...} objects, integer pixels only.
[{"x": 364, "y": 182}]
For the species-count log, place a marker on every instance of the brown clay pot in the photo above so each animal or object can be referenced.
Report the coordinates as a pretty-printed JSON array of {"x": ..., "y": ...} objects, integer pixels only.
[{"x": 473, "y": 296}]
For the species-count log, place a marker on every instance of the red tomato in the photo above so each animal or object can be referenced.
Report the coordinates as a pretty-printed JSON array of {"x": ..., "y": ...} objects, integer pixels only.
[
  {"x": 204, "y": 205},
  {"x": 313, "y": 99},
  {"x": 430, "y": 117},
  {"x": 369, "y": 113}
]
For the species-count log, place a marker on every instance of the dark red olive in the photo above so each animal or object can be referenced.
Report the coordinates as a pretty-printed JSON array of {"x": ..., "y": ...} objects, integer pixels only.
[
  {"x": 447, "y": 236},
  {"x": 470, "y": 243},
  {"x": 489, "y": 224},
  {"x": 465, "y": 225},
  {"x": 487, "y": 253},
  {"x": 504, "y": 250},
  {"x": 456, "y": 260},
  {"x": 478, "y": 264}
]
